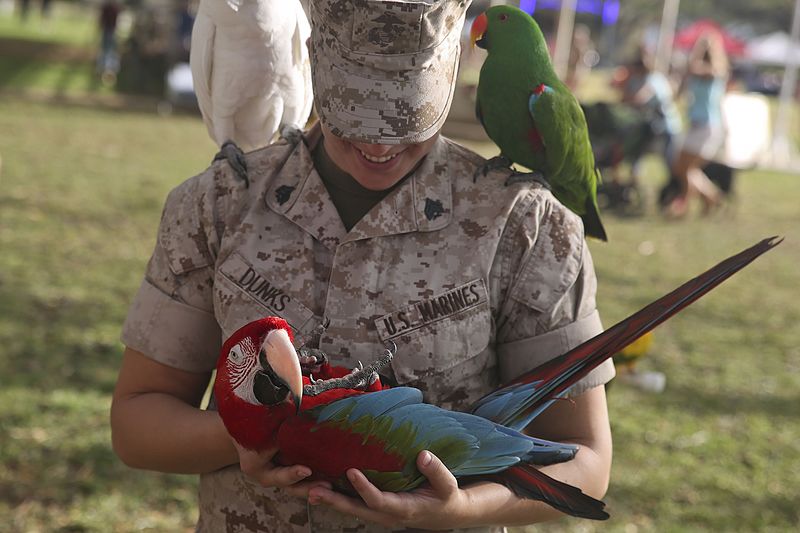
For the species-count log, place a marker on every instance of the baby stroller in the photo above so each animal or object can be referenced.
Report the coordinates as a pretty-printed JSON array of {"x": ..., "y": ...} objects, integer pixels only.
[{"x": 619, "y": 134}]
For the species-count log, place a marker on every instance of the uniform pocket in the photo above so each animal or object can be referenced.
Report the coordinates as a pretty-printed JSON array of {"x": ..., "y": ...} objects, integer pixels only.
[
  {"x": 439, "y": 333},
  {"x": 243, "y": 294}
]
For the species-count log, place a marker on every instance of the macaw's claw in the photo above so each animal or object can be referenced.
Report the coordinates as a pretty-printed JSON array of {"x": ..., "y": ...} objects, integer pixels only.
[
  {"x": 525, "y": 177},
  {"x": 498, "y": 161},
  {"x": 235, "y": 157},
  {"x": 360, "y": 378},
  {"x": 291, "y": 133}
]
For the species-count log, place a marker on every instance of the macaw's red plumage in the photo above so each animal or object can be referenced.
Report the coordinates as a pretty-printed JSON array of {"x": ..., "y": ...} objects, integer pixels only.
[
  {"x": 351, "y": 422},
  {"x": 238, "y": 376}
]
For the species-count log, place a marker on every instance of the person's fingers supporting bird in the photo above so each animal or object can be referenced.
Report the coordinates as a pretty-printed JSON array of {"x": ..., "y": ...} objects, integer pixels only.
[
  {"x": 258, "y": 466},
  {"x": 424, "y": 507},
  {"x": 440, "y": 478}
]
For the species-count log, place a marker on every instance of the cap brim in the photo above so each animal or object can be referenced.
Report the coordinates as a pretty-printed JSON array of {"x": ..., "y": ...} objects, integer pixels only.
[{"x": 382, "y": 106}]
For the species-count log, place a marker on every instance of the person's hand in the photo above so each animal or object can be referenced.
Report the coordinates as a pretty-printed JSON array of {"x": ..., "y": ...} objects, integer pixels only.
[
  {"x": 439, "y": 505},
  {"x": 259, "y": 467}
]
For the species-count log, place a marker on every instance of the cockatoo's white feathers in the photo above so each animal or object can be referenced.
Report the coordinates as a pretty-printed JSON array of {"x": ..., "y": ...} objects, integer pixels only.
[{"x": 250, "y": 68}]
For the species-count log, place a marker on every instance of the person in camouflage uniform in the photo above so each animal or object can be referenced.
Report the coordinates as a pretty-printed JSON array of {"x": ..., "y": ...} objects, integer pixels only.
[{"x": 372, "y": 223}]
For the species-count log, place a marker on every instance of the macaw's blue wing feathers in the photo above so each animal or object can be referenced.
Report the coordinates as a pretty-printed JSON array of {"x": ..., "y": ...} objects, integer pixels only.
[
  {"x": 543, "y": 452},
  {"x": 524, "y": 398},
  {"x": 374, "y": 404},
  {"x": 463, "y": 441},
  {"x": 509, "y": 406}
]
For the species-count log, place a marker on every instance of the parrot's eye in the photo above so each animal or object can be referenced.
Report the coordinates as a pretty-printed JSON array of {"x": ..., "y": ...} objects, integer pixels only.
[
  {"x": 235, "y": 355},
  {"x": 503, "y": 17}
]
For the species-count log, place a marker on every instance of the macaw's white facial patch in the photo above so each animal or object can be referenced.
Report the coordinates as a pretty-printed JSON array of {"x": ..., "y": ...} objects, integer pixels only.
[{"x": 242, "y": 365}]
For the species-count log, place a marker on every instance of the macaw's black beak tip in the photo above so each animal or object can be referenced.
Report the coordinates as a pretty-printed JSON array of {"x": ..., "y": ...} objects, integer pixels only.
[{"x": 483, "y": 42}]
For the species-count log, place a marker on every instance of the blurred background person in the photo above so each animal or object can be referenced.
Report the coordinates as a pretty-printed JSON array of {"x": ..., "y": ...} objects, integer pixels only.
[
  {"x": 107, "y": 59},
  {"x": 185, "y": 12},
  {"x": 650, "y": 92},
  {"x": 705, "y": 82}
]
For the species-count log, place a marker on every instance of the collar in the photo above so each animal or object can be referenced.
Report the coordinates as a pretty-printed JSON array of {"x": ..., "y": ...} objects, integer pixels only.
[{"x": 424, "y": 202}]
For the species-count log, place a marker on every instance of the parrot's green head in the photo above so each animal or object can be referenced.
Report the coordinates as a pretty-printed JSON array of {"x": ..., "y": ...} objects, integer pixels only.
[{"x": 509, "y": 31}]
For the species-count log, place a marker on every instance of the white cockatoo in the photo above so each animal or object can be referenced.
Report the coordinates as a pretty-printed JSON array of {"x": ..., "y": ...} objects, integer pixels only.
[{"x": 251, "y": 73}]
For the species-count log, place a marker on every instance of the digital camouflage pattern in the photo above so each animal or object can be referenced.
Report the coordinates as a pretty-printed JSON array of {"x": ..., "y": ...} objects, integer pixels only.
[
  {"x": 474, "y": 283},
  {"x": 385, "y": 71}
]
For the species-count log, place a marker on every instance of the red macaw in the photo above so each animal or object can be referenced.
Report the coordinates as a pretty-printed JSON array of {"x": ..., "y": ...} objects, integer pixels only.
[
  {"x": 337, "y": 425},
  {"x": 264, "y": 401}
]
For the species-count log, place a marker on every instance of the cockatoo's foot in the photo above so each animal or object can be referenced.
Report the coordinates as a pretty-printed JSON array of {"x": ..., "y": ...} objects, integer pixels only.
[
  {"x": 526, "y": 177},
  {"x": 498, "y": 161},
  {"x": 235, "y": 157},
  {"x": 311, "y": 360},
  {"x": 291, "y": 133}
]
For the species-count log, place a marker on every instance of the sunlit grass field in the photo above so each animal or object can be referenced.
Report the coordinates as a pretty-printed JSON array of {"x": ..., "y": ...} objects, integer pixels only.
[{"x": 81, "y": 190}]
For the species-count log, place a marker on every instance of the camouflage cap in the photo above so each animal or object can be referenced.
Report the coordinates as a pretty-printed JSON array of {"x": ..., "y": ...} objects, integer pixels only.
[{"x": 384, "y": 71}]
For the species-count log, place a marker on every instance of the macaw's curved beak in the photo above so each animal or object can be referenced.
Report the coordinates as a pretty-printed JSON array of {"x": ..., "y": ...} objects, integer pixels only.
[
  {"x": 280, "y": 372},
  {"x": 477, "y": 31}
]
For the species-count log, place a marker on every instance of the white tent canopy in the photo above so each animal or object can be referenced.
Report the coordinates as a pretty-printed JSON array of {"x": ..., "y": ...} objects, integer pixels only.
[{"x": 773, "y": 49}]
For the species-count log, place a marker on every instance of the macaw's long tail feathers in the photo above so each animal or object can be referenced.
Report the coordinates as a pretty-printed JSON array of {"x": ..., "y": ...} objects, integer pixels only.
[
  {"x": 592, "y": 225},
  {"x": 533, "y": 391},
  {"x": 528, "y": 482}
]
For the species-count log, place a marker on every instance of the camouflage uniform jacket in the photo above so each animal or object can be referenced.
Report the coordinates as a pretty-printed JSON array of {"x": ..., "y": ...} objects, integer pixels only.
[{"x": 474, "y": 282}]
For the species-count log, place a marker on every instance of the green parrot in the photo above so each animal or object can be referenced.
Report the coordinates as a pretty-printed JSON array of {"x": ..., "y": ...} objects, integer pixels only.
[{"x": 531, "y": 115}]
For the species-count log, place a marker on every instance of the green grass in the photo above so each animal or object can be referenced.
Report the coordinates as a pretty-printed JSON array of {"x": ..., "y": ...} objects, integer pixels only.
[
  {"x": 718, "y": 450},
  {"x": 70, "y": 24},
  {"x": 80, "y": 201},
  {"x": 79, "y": 206}
]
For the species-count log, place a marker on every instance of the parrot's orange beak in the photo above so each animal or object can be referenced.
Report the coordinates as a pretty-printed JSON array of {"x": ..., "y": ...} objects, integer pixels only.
[
  {"x": 284, "y": 362},
  {"x": 478, "y": 28}
]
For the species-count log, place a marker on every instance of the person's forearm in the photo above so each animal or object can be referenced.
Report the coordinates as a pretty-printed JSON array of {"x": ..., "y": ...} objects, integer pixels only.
[
  {"x": 494, "y": 504},
  {"x": 156, "y": 431}
]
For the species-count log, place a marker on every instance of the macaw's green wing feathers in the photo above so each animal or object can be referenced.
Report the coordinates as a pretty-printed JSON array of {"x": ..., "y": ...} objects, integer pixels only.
[{"x": 519, "y": 402}]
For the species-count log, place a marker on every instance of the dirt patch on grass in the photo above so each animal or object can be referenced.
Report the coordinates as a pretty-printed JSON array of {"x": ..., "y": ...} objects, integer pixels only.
[{"x": 44, "y": 51}]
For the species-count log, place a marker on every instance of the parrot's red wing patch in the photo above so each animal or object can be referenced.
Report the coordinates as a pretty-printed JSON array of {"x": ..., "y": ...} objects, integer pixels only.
[
  {"x": 535, "y": 140},
  {"x": 329, "y": 449}
]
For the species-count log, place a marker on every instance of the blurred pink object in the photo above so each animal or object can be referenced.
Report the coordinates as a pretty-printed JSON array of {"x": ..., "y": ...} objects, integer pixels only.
[{"x": 686, "y": 37}]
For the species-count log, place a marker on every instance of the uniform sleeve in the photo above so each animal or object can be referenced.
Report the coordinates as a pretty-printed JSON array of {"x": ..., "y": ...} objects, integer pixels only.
[
  {"x": 550, "y": 303},
  {"x": 171, "y": 319}
]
